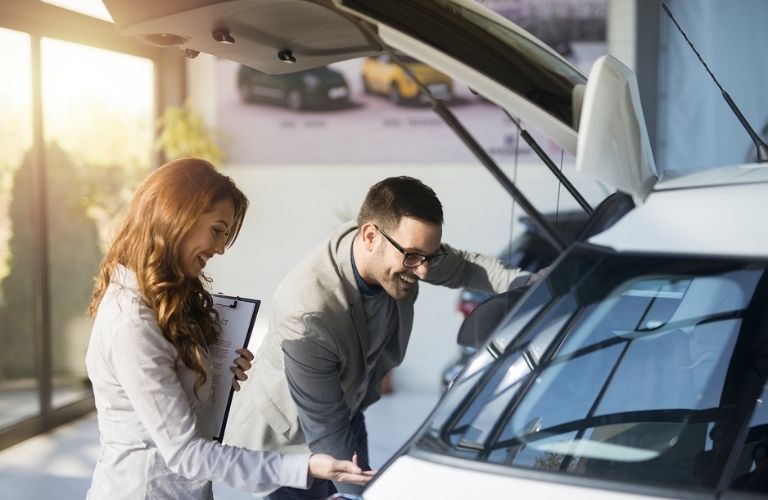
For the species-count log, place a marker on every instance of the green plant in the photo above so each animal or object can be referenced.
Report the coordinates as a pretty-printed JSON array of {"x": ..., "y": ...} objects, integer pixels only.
[
  {"x": 73, "y": 258},
  {"x": 182, "y": 132}
]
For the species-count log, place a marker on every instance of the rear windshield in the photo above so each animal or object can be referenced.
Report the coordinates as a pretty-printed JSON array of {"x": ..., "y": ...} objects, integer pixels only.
[{"x": 648, "y": 370}]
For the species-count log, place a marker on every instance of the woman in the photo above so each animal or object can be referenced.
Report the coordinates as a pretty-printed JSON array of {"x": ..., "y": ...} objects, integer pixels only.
[{"x": 147, "y": 356}]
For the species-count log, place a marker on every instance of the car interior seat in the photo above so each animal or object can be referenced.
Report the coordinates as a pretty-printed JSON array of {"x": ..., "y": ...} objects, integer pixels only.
[
  {"x": 483, "y": 320},
  {"x": 606, "y": 214}
]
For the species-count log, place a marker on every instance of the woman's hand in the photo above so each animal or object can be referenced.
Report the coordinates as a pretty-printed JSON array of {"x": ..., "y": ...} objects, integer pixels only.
[
  {"x": 326, "y": 467},
  {"x": 242, "y": 364}
]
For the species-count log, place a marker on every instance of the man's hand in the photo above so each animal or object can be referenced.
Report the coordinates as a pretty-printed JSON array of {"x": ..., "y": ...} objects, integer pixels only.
[
  {"x": 344, "y": 471},
  {"x": 242, "y": 364}
]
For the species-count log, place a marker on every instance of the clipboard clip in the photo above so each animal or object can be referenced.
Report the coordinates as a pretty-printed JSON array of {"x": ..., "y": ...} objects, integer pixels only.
[{"x": 233, "y": 305}]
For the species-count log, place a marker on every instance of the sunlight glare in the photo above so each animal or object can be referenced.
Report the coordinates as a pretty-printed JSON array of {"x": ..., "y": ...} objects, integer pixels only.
[
  {"x": 15, "y": 98},
  {"x": 93, "y": 8},
  {"x": 97, "y": 102}
]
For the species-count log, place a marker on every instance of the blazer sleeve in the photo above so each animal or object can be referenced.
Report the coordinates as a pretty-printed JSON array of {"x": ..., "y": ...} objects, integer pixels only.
[
  {"x": 475, "y": 271},
  {"x": 314, "y": 381},
  {"x": 144, "y": 363}
]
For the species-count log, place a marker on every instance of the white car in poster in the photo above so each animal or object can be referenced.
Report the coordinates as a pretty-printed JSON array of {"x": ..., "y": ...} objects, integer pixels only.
[{"x": 637, "y": 368}]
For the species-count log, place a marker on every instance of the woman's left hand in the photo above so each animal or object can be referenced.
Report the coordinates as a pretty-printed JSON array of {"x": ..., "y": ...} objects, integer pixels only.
[{"x": 242, "y": 364}]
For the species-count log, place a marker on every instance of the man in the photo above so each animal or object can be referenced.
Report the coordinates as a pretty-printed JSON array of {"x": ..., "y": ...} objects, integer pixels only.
[{"x": 342, "y": 319}]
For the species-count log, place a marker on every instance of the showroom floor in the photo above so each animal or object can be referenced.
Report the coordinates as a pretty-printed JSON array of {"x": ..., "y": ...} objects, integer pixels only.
[{"x": 59, "y": 464}]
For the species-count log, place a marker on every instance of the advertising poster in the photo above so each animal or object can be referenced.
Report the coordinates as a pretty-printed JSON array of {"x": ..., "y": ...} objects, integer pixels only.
[{"x": 362, "y": 111}]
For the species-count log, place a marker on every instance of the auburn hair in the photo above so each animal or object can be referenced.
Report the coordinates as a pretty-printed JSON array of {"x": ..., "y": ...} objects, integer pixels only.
[{"x": 148, "y": 242}]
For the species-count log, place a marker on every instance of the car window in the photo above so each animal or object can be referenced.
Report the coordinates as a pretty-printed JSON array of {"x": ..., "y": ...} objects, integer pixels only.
[
  {"x": 751, "y": 459},
  {"x": 646, "y": 370},
  {"x": 526, "y": 310},
  {"x": 475, "y": 374}
]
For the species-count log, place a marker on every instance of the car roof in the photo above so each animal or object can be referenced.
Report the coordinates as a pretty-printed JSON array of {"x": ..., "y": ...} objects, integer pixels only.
[
  {"x": 719, "y": 212},
  {"x": 733, "y": 174}
]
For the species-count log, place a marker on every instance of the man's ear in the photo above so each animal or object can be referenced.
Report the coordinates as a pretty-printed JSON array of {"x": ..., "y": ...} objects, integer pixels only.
[{"x": 368, "y": 233}]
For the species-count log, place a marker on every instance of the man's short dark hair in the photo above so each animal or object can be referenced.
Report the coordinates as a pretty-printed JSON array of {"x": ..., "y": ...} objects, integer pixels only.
[{"x": 395, "y": 197}]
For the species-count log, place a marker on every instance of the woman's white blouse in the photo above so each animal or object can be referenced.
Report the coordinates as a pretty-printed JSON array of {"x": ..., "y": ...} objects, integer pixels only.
[{"x": 151, "y": 447}]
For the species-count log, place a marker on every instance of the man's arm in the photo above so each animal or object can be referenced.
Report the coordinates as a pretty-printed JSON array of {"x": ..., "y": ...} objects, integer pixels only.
[
  {"x": 476, "y": 271},
  {"x": 313, "y": 378}
]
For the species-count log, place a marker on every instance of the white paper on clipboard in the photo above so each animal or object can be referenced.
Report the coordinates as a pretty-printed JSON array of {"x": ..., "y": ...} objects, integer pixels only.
[{"x": 237, "y": 316}]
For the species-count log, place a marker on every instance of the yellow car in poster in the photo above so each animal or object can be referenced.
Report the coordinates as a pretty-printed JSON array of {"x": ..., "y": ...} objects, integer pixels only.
[{"x": 382, "y": 75}]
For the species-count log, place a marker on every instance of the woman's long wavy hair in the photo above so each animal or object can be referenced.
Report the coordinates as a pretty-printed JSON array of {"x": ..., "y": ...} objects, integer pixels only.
[{"x": 148, "y": 241}]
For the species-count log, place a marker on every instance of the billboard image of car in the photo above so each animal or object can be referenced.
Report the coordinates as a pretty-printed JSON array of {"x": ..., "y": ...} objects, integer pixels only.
[
  {"x": 311, "y": 88},
  {"x": 382, "y": 75}
]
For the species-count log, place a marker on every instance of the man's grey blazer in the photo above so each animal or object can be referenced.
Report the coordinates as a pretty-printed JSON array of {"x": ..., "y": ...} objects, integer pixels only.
[{"x": 319, "y": 302}]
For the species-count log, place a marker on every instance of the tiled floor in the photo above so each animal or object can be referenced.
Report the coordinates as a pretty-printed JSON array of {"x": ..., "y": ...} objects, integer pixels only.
[{"x": 58, "y": 465}]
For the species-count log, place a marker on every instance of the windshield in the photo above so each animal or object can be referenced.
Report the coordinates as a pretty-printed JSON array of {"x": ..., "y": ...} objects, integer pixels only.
[{"x": 649, "y": 370}]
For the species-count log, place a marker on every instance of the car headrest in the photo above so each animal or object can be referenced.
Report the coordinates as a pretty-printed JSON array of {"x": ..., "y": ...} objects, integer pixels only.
[
  {"x": 481, "y": 322},
  {"x": 610, "y": 210}
]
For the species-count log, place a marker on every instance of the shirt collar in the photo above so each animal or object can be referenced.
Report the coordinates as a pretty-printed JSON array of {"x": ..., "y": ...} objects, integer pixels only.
[
  {"x": 125, "y": 277},
  {"x": 365, "y": 289}
]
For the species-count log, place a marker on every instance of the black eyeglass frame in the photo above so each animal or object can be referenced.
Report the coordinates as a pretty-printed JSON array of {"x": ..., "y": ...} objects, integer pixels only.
[{"x": 433, "y": 260}]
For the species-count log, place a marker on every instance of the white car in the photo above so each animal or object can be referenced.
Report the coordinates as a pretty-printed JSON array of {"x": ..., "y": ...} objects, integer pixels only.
[{"x": 637, "y": 368}]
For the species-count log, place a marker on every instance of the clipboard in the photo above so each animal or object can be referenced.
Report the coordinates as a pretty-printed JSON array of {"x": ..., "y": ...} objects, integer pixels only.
[{"x": 237, "y": 315}]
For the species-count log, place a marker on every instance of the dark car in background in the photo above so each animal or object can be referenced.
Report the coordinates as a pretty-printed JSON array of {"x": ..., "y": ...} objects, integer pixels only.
[{"x": 311, "y": 88}]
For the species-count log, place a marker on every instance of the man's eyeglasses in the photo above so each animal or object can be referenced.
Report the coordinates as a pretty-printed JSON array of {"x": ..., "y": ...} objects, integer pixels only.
[{"x": 411, "y": 259}]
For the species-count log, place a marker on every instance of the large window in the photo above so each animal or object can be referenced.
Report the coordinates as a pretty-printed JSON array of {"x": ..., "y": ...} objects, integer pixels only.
[
  {"x": 18, "y": 383},
  {"x": 76, "y": 136},
  {"x": 97, "y": 116}
]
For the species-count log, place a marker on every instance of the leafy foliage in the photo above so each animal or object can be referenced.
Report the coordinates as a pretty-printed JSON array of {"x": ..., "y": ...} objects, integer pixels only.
[
  {"x": 183, "y": 133},
  {"x": 73, "y": 259}
]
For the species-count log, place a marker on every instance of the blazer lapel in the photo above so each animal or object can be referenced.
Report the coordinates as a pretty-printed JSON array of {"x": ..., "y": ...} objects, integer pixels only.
[{"x": 357, "y": 312}]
